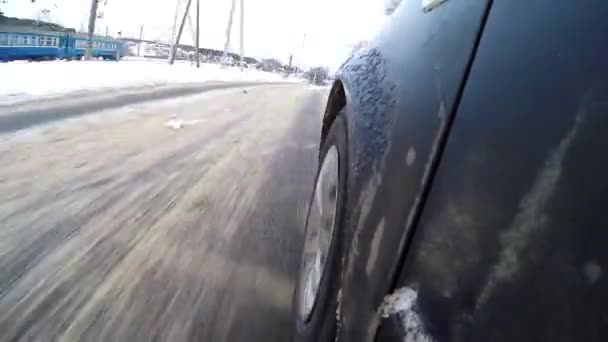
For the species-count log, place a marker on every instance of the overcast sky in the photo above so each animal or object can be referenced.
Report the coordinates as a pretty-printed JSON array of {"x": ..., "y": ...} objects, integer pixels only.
[{"x": 319, "y": 31}]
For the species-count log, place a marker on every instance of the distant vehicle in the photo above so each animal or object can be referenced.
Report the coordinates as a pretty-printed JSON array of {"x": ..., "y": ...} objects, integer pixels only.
[
  {"x": 157, "y": 51},
  {"x": 461, "y": 189},
  {"x": 56, "y": 45}
]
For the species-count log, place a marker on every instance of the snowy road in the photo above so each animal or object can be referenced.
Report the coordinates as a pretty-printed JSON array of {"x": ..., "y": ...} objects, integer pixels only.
[
  {"x": 178, "y": 220},
  {"x": 43, "y": 110}
]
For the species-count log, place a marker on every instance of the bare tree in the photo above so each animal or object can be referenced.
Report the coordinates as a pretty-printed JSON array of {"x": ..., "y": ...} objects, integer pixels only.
[
  {"x": 390, "y": 6},
  {"x": 317, "y": 75},
  {"x": 2, "y": 2}
]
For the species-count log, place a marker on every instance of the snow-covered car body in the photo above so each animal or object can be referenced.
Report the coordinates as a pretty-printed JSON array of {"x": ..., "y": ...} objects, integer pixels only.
[{"x": 476, "y": 177}]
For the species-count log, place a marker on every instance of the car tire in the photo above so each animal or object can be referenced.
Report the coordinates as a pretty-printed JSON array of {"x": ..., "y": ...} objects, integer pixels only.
[{"x": 320, "y": 325}]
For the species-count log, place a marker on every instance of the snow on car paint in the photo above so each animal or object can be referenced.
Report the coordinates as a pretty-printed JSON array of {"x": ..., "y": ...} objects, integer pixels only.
[{"x": 401, "y": 303}]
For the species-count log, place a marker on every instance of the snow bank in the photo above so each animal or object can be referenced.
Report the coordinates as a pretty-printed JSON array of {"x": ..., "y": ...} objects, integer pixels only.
[{"x": 22, "y": 81}]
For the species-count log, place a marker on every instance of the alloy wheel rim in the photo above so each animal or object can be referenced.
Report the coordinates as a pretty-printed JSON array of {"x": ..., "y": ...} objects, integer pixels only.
[{"x": 319, "y": 232}]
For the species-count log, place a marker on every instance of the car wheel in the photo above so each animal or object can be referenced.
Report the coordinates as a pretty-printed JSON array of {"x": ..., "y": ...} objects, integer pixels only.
[{"x": 315, "y": 298}]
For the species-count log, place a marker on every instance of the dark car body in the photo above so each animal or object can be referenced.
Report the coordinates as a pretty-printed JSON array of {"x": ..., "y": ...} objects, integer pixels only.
[{"x": 478, "y": 156}]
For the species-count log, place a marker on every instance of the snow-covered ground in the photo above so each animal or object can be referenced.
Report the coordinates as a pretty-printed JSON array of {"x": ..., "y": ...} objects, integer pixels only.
[{"x": 23, "y": 81}]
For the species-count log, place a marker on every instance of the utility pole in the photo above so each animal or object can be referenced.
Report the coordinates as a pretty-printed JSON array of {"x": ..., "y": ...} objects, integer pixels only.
[
  {"x": 174, "y": 25},
  {"x": 92, "y": 16},
  {"x": 242, "y": 50},
  {"x": 294, "y": 52},
  {"x": 198, "y": 10},
  {"x": 179, "y": 33},
  {"x": 228, "y": 31},
  {"x": 141, "y": 37}
]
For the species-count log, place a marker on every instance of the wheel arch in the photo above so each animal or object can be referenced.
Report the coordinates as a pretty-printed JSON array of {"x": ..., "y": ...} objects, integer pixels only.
[{"x": 335, "y": 103}]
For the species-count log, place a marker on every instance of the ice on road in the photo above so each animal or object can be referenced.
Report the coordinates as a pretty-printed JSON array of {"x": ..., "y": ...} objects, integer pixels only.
[
  {"x": 22, "y": 81},
  {"x": 117, "y": 227}
]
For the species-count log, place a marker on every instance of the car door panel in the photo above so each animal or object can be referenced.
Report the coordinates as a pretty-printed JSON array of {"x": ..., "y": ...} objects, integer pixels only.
[
  {"x": 401, "y": 93},
  {"x": 511, "y": 245}
]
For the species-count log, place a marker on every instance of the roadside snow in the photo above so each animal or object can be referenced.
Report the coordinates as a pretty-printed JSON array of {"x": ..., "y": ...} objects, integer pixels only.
[{"x": 23, "y": 81}]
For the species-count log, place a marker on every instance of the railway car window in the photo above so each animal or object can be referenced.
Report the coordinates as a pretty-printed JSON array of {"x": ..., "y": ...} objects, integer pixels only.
[
  {"x": 3, "y": 39},
  {"x": 12, "y": 40}
]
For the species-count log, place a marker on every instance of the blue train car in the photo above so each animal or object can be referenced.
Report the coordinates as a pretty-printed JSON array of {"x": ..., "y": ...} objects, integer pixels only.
[
  {"x": 32, "y": 45},
  {"x": 106, "y": 48},
  {"x": 56, "y": 45}
]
